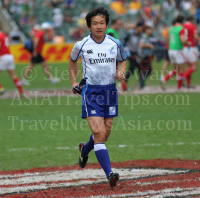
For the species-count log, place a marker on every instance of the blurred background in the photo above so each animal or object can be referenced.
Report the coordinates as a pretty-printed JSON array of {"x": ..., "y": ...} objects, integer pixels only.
[
  {"x": 21, "y": 19},
  {"x": 20, "y": 16}
]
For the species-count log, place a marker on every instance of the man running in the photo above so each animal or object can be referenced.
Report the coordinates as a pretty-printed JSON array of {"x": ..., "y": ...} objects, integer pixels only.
[
  {"x": 99, "y": 54},
  {"x": 177, "y": 41},
  {"x": 191, "y": 53},
  {"x": 37, "y": 58},
  {"x": 7, "y": 62}
]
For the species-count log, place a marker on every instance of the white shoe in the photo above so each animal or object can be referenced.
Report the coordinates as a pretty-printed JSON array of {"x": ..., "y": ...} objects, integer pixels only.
[
  {"x": 25, "y": 82},
  {"x": 55, "y": 80}
]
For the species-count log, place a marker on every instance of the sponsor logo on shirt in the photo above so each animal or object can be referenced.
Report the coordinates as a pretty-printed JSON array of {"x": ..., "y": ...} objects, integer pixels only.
[
  {"x": 90, "y": 51},
  {"x": 93, "y": 112},
  {"x": 102, "y": 60},
  {"x": 112, "y": 50},
  {"x": 112, "y": 110}
]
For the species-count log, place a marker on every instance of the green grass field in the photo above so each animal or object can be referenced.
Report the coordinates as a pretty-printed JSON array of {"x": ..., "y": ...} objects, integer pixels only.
[{"x": 45, "y": 133}]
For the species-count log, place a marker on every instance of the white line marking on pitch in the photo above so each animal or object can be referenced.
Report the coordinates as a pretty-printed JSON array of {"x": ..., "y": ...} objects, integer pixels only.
[
  {"x": 169, "y": 192},
  {"x": 110, "y": 146},
  {"x": 67, "y": 176},
  {"x": 23, "y": 149}
]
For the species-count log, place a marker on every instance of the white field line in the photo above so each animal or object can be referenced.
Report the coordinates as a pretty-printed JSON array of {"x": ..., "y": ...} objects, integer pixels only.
[
  {"x": 79, "y": 174},
  {"x": 24, "y": 189},
  {"x": 110, "y": 146},
  {"x": 23, "y": 149},
  {"x": 170, "y": 192},
  {"x": 164, "y": 181},
  {"x": 67, "y": 176}
]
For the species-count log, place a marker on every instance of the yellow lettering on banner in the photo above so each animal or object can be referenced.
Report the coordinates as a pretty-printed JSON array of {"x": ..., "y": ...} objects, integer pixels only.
[{"x": 53, "y": 53}]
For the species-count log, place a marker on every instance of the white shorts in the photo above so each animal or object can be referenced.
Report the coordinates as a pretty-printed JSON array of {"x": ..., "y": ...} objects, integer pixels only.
[
  {"x": 191, "y": 54},
  {"x": 7, "y": 62},
  {"x": 176, "y": 56}
]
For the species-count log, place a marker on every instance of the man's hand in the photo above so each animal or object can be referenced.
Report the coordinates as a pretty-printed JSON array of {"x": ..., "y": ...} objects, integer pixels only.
[
  {"x": 119, "y": 75},
  {"x": 73, "y": 85}
]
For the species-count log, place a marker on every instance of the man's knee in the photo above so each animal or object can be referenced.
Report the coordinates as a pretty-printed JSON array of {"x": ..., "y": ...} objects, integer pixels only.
[{"x": 100, "y": 137}]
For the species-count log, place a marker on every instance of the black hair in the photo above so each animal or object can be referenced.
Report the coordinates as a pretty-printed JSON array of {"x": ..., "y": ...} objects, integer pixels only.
[
  {"x": 114, "y": 21},
  {"x": 180, "y": 19},
  {"x": 95, "y": 12},
  {"x": 190, "y": 18},
  {"x": 140, "y": 24}
]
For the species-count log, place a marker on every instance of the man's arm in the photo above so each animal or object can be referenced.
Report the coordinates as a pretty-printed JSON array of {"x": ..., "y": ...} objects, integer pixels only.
[
  {"x": 121, "y": 70},
  {"x": 73, "y": 71},
  {"x": 122, "y": 66},
  {"x": 121, "y": 57},
  {"x": 75, "y": 54}
]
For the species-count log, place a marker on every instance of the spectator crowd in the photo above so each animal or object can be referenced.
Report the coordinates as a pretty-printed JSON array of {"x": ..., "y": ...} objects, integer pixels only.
[{"x": 152, "y": 12}]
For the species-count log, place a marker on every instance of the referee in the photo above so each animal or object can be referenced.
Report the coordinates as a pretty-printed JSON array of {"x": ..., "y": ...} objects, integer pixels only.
[{"x": 99, "y": 54}]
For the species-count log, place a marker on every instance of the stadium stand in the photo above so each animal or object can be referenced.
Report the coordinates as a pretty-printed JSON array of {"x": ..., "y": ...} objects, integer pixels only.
[{"x": 28, "y": 13}]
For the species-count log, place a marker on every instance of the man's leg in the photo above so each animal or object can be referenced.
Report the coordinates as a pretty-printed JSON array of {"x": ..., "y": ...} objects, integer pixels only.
[
  {"x": 90, "y": 144},
  {"x": 48, "y": 73},
  {"x": 192, "y": 57},
  {"x": 108, "y": 124},
  {"x": 28, "y": 70},
  {"x": 26, "y": 74},
  {"x": 130, "y": 71},
  {"x": 86, "y": 148},
  {"x": 164, "y": 79},
  {"x": 192, "y": 67},
  {"x": 16, "y": 80},
  {"x": 180, "y": 71},
  {"x": 164, "y": 67},
  {"x": 98, "y": 128},
  {"x": 144, "y": 72}
]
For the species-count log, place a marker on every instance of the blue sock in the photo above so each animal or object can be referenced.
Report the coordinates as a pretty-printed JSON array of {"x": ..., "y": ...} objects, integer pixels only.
[
  {"x": 89, "y": 146},
  {"x": 101, "y": 153}
]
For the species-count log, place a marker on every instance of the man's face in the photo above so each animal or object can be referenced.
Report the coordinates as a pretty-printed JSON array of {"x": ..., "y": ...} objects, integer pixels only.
[
  {"x": 98, "y": 26},
  {"x": 149, "y": 31},
  {"x": 139, "y": 30}
]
